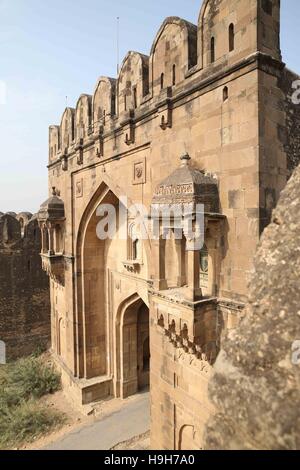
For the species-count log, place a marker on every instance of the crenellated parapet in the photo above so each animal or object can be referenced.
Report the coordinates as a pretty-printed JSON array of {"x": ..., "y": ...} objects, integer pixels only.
[
  {"x": 226, "y": 34},
  {"x": 133, "y": 82},
  {"x": 18, "y": 231},
  {"x": 10, "y": 231},
  {"x": 173, "y": 53}
]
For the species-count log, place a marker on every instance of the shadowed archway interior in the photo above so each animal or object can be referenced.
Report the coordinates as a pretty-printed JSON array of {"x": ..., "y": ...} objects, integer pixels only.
[{"x": 133, "y": 348}]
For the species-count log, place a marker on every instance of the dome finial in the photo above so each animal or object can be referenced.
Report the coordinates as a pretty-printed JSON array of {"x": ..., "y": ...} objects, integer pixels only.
[
  {"x": 185, "y": 159},
  {"x": 54, "y": 193}
]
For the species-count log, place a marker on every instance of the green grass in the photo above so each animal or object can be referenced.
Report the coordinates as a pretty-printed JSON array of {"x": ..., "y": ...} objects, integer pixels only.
[{"x": 22, "y": 418}]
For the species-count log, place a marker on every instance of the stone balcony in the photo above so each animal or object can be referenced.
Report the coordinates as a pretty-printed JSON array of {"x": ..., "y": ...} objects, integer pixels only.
[
  {"x": 54, "y": 266},
  {"x": 192, "y": 327}
]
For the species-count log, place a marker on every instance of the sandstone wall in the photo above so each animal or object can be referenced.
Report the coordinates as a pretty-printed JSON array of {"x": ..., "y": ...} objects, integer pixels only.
[{"x": 24, "y": 288}]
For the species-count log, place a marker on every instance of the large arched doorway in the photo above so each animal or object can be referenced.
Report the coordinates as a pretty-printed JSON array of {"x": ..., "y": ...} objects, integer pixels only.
[
  {"x": 132, "y": 348},
  {"x": 92, "y": 292},
  {"x": 104, "y": 326}
]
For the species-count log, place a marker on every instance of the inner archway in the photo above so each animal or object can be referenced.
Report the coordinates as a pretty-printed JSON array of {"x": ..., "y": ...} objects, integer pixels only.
[{"x": 133, "y": 348}]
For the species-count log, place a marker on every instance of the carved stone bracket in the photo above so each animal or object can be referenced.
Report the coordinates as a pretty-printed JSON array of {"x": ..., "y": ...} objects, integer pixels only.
[
  {"x": 54, "y": 266},
  {"x": 188, "y": 331},
  {"x": 127, "y": 123},
  {"x": 207, "y": 353},
  {"x": 165, "y": 118},
  {"x": 100, "y": 145},
  {"x": 129, "y": 134},
  {"x": 132, "y": 266},
  {"x": 79, "y": 151},
  {"x": 164, "y": 107}
]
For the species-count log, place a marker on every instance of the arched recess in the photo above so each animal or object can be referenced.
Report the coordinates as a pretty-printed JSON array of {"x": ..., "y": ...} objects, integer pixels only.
[
  {"x": 181, "y": 37},
  {"x": 59, "y": 336},
  {"x": 133, "y": 81},
  {"x": 91, "y": 315},
  {"x": 187, "y": 438},
  {"x": 131, "y": 337}
]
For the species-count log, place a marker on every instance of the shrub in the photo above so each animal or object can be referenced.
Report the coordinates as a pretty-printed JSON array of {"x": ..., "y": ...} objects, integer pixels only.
[
  {"x": 21, "y": 384},
  {"x": 25, "y": 422},
  {"x": 28, "y": 378}
]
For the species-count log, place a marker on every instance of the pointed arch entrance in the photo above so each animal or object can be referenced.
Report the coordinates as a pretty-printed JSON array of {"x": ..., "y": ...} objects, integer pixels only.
[
  {"x": 92, "y": 315},
  {"x": 99, "y": 270},
  {"x": 132, "y": 364}
]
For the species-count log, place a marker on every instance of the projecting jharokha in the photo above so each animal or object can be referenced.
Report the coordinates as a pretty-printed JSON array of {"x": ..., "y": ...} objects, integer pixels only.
[{"x": 205, "y": 119}]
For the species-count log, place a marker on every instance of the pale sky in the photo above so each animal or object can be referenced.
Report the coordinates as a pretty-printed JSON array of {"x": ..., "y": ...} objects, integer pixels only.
[{"x": 50, "y": 50}]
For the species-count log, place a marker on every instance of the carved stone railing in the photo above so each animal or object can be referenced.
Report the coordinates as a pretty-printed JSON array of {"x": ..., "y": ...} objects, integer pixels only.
[{"x": 194, "y": 330}]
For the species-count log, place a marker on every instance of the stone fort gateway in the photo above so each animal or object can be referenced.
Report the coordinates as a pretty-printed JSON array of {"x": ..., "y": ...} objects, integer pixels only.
[{"x": 207, "y": 118}]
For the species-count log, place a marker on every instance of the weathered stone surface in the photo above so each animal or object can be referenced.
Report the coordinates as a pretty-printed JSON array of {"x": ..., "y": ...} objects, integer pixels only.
[
  {"x": 24, "y": 287},
  {"x": 292, "y": 109},
  {"x": 256, "y": 386}
]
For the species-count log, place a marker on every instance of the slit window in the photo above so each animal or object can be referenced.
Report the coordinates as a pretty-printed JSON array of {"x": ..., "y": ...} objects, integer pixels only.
[
  {"x": 225, "y": 93},
  {"x": 212, "y": 50},
  {"x": 231, "y": 37},
  {"x": 135, "y": 97},
  {"x": 174, "y": 75},
  {"x": 162, "y": 79}
]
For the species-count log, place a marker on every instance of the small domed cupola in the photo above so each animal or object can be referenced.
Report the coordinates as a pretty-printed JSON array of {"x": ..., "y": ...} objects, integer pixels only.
[
  {"x": 188, "y": 186},
  {"x": 52, "y": 210}
]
